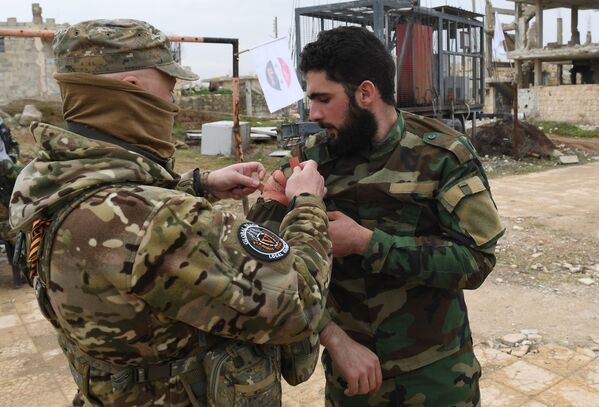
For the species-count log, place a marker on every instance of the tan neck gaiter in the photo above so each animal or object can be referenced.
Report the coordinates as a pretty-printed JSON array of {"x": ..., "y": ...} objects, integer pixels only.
[{"x": 119, "y": 109}]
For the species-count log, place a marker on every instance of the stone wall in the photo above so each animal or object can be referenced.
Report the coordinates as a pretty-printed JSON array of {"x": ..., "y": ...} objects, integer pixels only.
[
  {"x": 27, "y": 64},
  {"x": 578, "y": 104},
  {"x": 224, "y": 104}
]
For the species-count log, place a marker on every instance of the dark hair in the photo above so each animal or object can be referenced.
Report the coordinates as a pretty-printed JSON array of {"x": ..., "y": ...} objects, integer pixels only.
[{"x": 349, "y": 56}]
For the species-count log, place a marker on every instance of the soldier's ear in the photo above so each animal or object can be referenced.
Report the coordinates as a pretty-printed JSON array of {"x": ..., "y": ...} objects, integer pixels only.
[
  {"x": 366, "y": 94},
  {"x": 132, "y": 79}
]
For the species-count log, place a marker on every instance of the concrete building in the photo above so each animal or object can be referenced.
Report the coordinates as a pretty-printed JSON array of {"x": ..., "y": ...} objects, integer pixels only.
[
  {"x": 27, "y": 64},
  {"x": 572, "y": 67}
]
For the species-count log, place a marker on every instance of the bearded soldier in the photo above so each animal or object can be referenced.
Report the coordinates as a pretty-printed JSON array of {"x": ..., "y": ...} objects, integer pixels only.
[{"x": 412, "y": 223}]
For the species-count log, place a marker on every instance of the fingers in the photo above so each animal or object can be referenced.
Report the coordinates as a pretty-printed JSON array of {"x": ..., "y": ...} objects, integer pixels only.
[
  {"x": 279, "y": 177},
  {"x": 242, "y": 180},
  {"x": 252, "y": 167},
  {"x": 372, "y": 380},
  {"x": 367, "y": 382},
  {"x": 309, "y": 165},
  {"x": 357, "y": 385},
  {"x": 378, "y": 378},
  {"x": 364, "y": 386},
  {"x": 352, "y": 386}
]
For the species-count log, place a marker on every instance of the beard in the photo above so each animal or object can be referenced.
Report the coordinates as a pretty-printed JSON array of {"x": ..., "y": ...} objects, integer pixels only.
[{"x": 356, "y": 133}]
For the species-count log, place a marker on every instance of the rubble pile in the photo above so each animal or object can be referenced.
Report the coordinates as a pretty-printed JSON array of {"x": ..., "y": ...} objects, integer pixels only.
[{"x": 495, "y": 139}]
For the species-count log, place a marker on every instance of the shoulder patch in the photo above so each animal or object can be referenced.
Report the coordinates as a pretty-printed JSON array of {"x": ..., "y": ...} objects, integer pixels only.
[
  {"x": 448, "y": 142},
  {"x": 261, "y": 243}
]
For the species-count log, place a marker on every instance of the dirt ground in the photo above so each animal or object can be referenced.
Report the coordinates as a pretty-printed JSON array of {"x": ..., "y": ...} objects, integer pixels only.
[{"x": 547, "y": 273}]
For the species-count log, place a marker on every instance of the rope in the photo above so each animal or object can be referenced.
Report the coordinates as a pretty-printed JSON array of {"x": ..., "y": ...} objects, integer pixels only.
[{"x": 37, "y": 233}]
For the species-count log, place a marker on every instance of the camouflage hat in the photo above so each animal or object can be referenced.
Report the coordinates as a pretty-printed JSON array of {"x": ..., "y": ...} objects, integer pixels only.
[{"x": 109, "y": 46}]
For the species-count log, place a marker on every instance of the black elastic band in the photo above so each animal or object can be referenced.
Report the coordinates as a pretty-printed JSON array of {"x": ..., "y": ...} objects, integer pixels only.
[
  {"x": 96, "y": 134},
  {"x": 197, "y": 182}
]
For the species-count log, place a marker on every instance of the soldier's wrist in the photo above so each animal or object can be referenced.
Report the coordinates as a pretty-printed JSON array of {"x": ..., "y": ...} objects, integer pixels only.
[
  {"x": 331, "y": 335},
  {"x": 362, "y": 240},
  {"x": 305, "y": 199},
  {"x": 201, "y": 184}
]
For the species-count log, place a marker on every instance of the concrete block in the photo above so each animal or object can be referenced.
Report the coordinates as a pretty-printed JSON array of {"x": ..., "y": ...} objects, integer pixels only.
[
  {"x": 218, "y": 138},
  {"x": 568, "y": 159},
  {"x": 30, "y": 114}
]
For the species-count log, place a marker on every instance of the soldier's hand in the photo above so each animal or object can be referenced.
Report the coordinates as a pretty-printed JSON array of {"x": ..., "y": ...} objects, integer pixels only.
[
  {"x": 359, "y": 366},
  {"x": 235, "y": 181},
  {"x": 305, "y": 179},
  {"x": 348, "y": 237},
  {"x": 274, "y": 187}
]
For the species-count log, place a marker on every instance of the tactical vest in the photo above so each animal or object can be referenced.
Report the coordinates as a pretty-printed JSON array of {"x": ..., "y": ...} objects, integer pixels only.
[{"x": 218, "y": 373}]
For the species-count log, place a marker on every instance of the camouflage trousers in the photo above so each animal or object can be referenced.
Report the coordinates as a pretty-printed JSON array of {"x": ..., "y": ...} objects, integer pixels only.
[{"x": 452, "y": 381}]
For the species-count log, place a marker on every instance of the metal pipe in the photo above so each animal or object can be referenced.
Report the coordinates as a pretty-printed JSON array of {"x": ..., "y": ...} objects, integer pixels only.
[
  {"x": 14, "y": 32},
  {"x": 378, "y": 23},
  {"x": 298, "y": 46}
]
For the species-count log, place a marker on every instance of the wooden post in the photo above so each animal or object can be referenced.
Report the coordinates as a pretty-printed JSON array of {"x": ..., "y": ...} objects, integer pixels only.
[
  {"x": 539, "y": 62},
  {"x": 516, "y": 135}
]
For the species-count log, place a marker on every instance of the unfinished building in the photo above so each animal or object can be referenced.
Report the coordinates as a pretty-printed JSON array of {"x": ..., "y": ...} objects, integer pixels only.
[
  {"x": 572, "y": 67},
  {"x": 27, "y": 64}
]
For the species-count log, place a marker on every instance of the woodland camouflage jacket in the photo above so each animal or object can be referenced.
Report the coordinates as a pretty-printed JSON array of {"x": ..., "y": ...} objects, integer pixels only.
[
  {"x": 139, "y": 267},
  {"x": 423, "y": 192}
]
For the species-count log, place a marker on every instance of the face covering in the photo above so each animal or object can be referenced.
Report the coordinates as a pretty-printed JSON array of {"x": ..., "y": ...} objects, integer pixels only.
[{"x": 120, "y": 109}]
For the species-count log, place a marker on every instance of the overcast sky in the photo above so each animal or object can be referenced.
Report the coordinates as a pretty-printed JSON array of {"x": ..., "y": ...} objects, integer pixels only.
[{"x": 251, "y": 21}]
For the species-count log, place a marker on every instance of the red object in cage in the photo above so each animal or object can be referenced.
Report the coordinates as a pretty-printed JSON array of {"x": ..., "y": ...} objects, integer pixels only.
[{"x": 415, "y": 87}]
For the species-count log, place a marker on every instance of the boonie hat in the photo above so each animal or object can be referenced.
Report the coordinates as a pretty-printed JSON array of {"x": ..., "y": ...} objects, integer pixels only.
[{"x": 109, "y": 46}]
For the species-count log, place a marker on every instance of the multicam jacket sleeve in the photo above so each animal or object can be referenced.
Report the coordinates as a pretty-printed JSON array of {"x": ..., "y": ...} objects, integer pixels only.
[{"x": 191, "y": 266}]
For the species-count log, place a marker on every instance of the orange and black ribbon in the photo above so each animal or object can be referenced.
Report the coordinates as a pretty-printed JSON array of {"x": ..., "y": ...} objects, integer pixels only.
[{"x": 37, "y": 233}]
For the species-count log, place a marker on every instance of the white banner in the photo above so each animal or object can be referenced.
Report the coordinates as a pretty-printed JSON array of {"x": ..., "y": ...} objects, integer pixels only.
[
  {"x": 276, "y": 74},
  {"x": 498, "y": 41}
]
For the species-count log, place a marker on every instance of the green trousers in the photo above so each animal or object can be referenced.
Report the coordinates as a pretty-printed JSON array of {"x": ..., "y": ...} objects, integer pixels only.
[{"x": 452, "y": 381}]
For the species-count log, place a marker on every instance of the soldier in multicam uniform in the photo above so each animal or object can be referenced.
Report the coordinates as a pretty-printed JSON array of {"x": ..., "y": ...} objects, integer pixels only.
[
  {"x": 412, "y": 222},
  {"x": 158, "y": 298}
]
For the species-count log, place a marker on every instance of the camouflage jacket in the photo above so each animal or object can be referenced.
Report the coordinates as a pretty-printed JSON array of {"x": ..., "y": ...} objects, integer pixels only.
[
  {"x": 423, "y": 192},
  {"x": 139, "y": 267}
]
